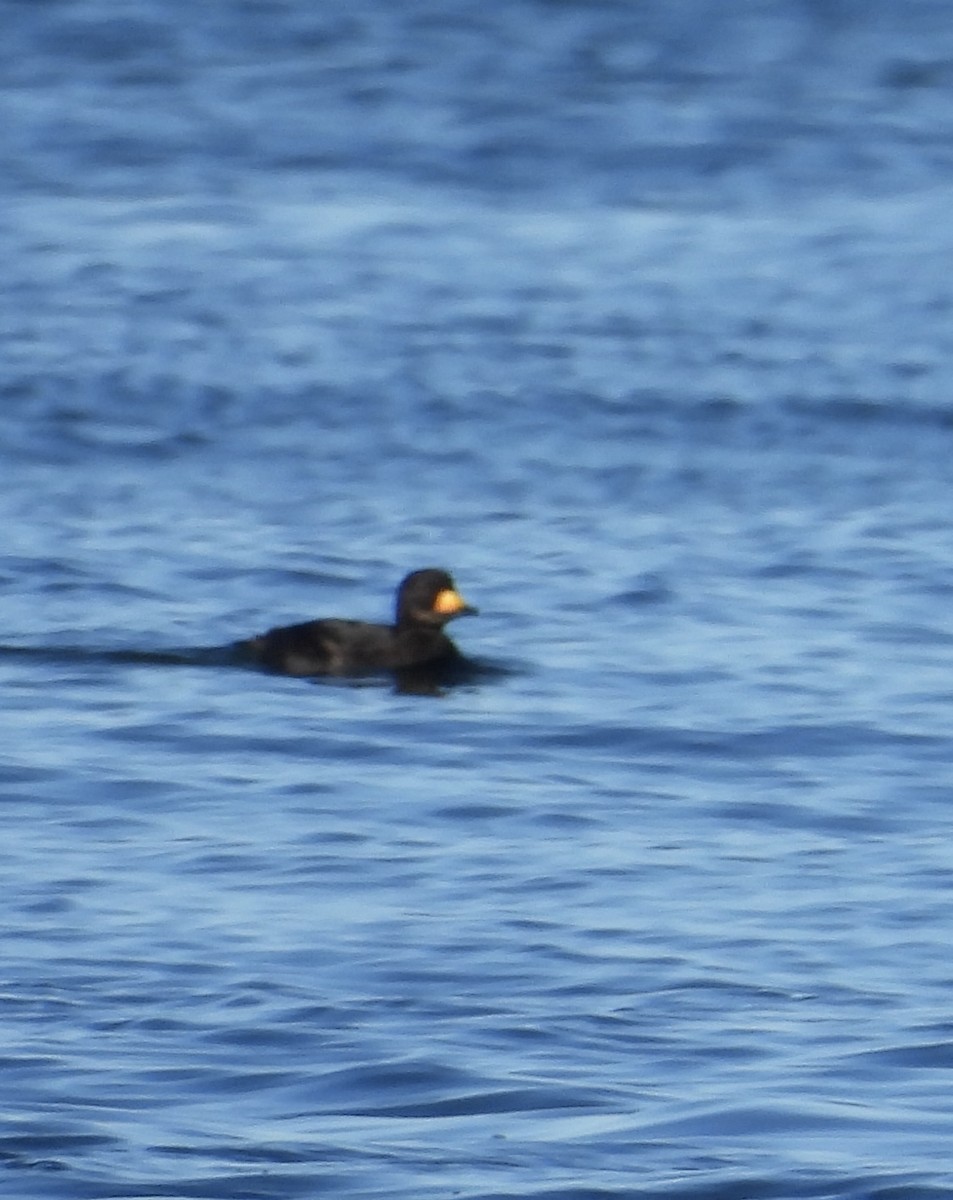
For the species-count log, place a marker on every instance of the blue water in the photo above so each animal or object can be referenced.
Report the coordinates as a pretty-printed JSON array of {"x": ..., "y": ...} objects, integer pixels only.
[{"x": 637, "y": 318}]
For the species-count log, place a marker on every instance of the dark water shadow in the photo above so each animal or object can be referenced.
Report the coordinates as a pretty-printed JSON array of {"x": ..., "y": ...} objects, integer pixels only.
[
  {"x": 219, "y": 656},
  {"x": 439, "y": 679},
  {"x": 428, "y": 680}
]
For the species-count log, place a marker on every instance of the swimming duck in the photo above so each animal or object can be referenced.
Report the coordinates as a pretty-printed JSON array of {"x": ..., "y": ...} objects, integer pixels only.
[{"x": 426, "y": 600}]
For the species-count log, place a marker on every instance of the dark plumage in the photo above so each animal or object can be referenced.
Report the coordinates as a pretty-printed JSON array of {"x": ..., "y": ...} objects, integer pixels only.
[{"x": 426, "y": 601}]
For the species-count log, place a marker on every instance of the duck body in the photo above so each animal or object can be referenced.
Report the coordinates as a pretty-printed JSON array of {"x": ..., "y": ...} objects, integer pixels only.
[
  {"x": 426, "y": 601},
  {"x": 334, "y": 646}
]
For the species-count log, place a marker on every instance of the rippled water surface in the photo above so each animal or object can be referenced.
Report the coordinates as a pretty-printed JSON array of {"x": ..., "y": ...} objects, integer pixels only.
[{"x": 637, "y": 317}]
